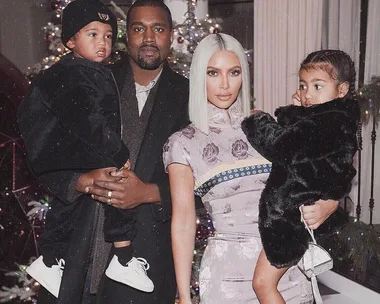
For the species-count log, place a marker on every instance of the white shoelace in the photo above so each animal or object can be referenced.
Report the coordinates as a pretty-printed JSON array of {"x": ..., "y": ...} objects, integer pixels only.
[
  {"x": 144, "y": 264},
  {"x": 60, "y": 265}
]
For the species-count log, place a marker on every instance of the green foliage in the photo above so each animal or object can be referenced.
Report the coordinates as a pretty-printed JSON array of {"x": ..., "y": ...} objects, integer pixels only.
[
  {"x": 369, "y": 100},
  {"x": 362, "y": 242}
]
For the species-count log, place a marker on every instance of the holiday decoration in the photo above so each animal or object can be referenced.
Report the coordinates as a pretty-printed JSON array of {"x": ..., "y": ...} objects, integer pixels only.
[
  {"x": 369, "y": 97},
  {"x": 25, "y": 292},
  {"x": 53, "y": 37},
  {"x": 187, "y": 35},
  {"x": 356, "y": 252},
  {"x": 18, "y": 234}
]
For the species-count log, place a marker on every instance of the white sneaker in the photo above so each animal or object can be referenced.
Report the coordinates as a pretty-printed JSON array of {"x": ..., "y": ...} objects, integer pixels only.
[
  {"x": 48, "y": 277},
  {"x": 133, "y": 274}
]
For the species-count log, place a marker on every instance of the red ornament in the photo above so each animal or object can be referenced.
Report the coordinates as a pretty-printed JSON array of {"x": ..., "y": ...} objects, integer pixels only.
[
  {"x": 55, "y": 4},
  {"x": 180, "y": 40}
]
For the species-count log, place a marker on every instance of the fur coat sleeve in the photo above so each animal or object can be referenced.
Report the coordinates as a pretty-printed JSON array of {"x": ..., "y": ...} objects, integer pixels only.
[
  {"x": 312, "y": 151},
  {"x": 63, "y": 126}
]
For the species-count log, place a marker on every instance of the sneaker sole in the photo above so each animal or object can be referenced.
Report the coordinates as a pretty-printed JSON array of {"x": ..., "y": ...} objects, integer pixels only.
[
  {"x": 40, "y": 281},
  {"x": 129, "y": 283}
]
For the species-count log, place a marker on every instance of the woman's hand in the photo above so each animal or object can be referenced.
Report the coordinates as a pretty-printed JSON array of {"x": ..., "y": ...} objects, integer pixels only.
[
  {"x": 316, "y": 214},
  {"x": 187, "y": 301}
]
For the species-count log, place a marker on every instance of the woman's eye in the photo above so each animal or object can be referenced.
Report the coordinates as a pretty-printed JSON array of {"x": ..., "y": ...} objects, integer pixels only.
[
  {"x": 212, "y": 73},
  {"x": 236, "y": 72},
  {"x": 302, "y": 87},
  {"x": 318, "y": 86},
  {"x": 109, "y": 36},
  {"x": 92, "y": 34}
]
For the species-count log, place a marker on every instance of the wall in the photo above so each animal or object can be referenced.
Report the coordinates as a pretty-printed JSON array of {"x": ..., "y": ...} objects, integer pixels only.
[{"x": 21, "y": 34}]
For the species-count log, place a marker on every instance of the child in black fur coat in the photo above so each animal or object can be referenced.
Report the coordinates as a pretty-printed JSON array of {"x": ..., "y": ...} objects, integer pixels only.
[{"x": 312, "y": 148}]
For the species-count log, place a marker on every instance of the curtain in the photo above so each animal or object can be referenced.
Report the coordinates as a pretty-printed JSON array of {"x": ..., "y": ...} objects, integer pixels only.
[
  {"x": 341, "y": 27},
  {"x": 285, "y": 31},
  {"x": 372, "y": 68}
]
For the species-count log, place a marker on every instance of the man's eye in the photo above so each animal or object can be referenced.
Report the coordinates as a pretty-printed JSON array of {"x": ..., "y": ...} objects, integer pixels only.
[
  {"x": 158, "y": 29},
  {"x": 138, "y": 29}
]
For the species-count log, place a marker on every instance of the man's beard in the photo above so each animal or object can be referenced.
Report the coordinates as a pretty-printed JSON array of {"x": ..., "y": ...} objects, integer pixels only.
[{"x": 149, "y": 64}]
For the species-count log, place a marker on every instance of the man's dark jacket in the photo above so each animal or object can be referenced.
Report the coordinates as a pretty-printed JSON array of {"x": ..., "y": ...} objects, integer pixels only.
[
  {"x": 168, "y": 115},
  {"x": 311, "y": 150}
]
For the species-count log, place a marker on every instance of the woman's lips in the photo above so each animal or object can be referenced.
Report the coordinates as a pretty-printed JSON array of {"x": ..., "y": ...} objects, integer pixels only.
[{"x": 224, "y": 97}]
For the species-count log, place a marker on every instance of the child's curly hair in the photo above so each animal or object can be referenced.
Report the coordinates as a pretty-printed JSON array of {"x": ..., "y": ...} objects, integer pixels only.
[{"x": 336, "y": 63}]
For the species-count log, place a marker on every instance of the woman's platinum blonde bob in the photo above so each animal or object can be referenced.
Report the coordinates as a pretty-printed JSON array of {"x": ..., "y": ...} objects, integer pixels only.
[{"x": 198, "y": 93}]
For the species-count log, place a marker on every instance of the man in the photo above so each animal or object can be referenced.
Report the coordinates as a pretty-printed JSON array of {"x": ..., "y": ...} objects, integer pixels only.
[{"x": 153, "y": 105}]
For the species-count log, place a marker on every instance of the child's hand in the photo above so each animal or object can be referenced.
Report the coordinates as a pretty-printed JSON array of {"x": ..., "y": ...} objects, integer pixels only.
[
  {"x": 119, "y": 172},
  {"x": 127, "y": 165},
  {"x": 254, "y": 111},
  {"x": 296, "y": 98},
  {"x": 86, "y": 180}
]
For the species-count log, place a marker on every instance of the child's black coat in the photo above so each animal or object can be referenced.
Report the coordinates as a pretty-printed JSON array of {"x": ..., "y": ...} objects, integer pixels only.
[{"x": 312, "y": 152}]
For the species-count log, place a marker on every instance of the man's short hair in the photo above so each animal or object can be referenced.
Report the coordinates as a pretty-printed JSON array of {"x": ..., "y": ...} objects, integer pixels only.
[{"x": 151, "y": 3}]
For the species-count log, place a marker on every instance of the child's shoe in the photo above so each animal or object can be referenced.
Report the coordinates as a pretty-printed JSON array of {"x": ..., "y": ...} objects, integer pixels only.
[
  {"x": 132, "y": 274},
  {"x": 48, "y": 277}
]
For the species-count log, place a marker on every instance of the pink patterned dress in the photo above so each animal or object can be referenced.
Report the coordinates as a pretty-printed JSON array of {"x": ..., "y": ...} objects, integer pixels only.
[{"x": 229, "y": 176}]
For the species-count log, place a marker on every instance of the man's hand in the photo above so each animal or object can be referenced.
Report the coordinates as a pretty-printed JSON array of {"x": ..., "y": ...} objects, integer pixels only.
[
  {"x": 316, "y": 214},
  {"x": 126, "y": 193},
  {"x": 87, "y": 179}
]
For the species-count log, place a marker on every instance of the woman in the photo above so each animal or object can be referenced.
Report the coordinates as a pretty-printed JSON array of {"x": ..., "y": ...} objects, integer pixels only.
[{"x": 213, "y": 157}]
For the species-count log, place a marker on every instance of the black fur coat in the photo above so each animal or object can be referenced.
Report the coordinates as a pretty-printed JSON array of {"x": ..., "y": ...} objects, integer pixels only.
[{"x": 311, "y": 150}]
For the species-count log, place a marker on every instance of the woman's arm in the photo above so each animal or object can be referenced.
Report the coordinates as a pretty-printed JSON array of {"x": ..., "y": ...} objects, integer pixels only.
[{"x": 183, "y": 225}]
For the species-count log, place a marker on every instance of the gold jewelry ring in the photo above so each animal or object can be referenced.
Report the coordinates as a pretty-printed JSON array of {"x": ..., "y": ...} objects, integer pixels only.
[
  {"x": 109, "y": 201},
  {"x": 109, "y": 194}
]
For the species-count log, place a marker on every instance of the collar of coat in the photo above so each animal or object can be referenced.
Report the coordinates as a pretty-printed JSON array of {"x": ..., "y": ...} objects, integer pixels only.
[
  {"x": 71, "y": 60},
  {"x": 122, "y": 67},
  {"x": 291, "y": 114}
]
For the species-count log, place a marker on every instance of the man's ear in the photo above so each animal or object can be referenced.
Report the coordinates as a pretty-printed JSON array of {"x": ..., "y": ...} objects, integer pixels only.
[
  {"x": 70, "y": 44},
  {"x": 343, "y": 89}
]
